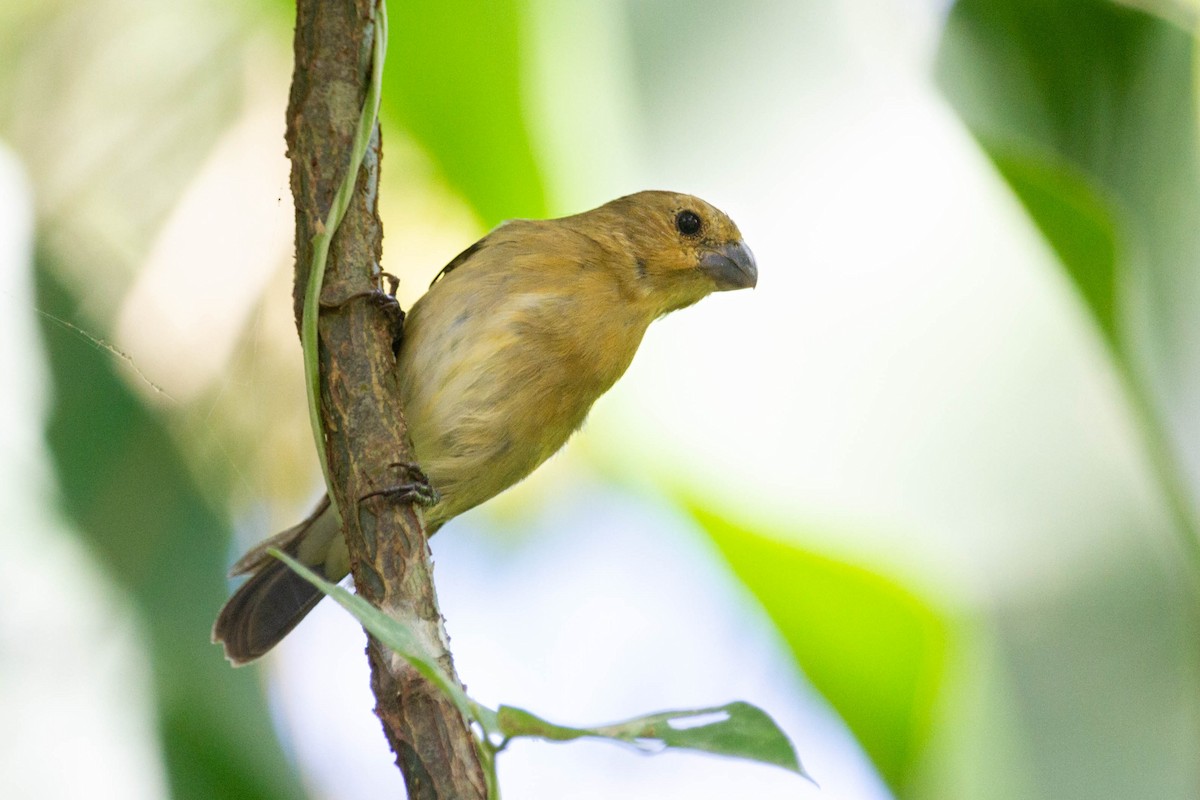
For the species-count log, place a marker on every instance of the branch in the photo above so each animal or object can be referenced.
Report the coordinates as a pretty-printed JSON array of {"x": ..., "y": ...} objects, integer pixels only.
[{"x": 363, "y": 425}]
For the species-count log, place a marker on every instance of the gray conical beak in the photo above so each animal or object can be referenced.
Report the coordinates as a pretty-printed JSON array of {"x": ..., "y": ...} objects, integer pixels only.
[{"x": 731, "y": 266}]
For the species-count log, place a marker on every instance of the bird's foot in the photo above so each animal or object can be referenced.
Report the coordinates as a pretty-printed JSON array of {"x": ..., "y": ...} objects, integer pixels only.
[
  {"x": 385, "y": 300},
  {"x": 415, "y": 488}
]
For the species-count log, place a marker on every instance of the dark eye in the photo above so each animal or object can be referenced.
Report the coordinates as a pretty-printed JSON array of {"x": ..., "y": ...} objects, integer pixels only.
[{"x": 688, "y": 223}]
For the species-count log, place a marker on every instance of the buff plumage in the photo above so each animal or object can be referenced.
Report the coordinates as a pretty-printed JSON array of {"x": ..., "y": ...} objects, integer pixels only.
[{"x": 501, "y": 361}]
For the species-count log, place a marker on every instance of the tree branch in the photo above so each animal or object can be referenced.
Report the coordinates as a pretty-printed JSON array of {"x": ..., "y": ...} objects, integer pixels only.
[{"x": 364, "y": 426}]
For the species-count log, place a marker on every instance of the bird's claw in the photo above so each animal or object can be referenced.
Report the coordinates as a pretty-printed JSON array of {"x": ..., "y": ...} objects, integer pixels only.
[
  {"x": 415, "y": 488},
  {"x": 385, "y": 300}
]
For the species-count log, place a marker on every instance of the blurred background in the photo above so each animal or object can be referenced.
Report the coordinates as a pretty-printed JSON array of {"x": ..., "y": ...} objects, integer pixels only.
[{"x": 928, "y": 495}]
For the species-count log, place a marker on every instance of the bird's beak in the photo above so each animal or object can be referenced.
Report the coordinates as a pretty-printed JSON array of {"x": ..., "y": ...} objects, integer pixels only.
[{"x": 731, "y": 266}]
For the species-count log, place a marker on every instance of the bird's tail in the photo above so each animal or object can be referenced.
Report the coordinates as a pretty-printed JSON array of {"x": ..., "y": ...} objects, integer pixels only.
[{"x": 275, "y": 599}]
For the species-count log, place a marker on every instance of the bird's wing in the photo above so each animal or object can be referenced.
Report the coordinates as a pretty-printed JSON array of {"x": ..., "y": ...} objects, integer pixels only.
[{"x": 470, "y": 252}]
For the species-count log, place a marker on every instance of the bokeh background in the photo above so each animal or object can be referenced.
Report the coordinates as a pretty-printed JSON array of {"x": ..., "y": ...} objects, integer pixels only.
[{"x": 928, "y": 495}]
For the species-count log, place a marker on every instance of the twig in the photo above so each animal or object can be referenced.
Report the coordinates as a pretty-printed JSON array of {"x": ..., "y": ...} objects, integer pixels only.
[{"x": 361, "y": 421}]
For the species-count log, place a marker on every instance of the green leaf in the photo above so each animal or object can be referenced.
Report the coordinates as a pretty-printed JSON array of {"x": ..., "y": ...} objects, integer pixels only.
[
  {"x": 1087, "y": 108},
  {"x": 739, "y": 730},
  {"x": 874, "y": 650},
  {"x": 1104, "y": 95},
  {"x": 454, "y": 80},
  {"x": 399, "y": 638},
  {"x": 1077, "y": 222}
]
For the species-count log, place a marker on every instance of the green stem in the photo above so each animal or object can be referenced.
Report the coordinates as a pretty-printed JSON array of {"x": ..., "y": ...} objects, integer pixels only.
[
  {"x": 322, "y": 240},
  {"x": 1168, "y": 472},
  {"x": 487, "y": 759}
]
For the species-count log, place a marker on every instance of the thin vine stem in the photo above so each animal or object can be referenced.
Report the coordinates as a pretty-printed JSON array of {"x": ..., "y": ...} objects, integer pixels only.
[{"x": 337, "y": 210}]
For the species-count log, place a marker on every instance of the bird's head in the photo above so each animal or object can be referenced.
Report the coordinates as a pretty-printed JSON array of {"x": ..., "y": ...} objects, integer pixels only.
[{"x": 681, "y": 248}]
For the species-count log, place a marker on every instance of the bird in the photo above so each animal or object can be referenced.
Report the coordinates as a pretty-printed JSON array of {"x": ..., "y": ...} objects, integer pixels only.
[{"x": 499, "y": 363}]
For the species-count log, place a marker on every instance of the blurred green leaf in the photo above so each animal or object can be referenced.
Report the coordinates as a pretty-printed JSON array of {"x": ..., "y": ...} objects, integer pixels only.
[
  {"x": 739, "y": 730},
  {"x": 453, "y": 79},
  {"x": 126, "y": 489},
  {"x": 874, "y": 650},
  {"x": 1088, "y": 110},
  {"x": 1101, "y": 95},
  {"x": 1077, "y": 223}
]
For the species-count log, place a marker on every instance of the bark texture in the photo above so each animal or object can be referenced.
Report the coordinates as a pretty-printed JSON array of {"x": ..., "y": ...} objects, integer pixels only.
[{"x": 364, "y": 425}]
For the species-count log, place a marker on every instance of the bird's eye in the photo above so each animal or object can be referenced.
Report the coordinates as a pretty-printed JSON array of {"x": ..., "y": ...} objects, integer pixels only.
[{"x": 688, "y": 222}]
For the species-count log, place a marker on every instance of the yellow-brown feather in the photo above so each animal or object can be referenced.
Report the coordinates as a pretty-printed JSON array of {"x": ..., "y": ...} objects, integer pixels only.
[{"x": 501, "y": 361}]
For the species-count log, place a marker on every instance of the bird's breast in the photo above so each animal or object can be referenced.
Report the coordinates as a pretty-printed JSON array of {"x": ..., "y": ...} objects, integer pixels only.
[{"x": 493, "y": 389}]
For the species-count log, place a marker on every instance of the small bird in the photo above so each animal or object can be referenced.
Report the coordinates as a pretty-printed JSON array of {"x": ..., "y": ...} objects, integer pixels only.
[{"x": 499, "y": 364}]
